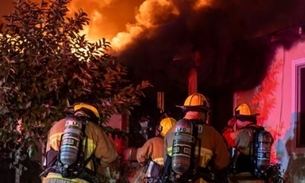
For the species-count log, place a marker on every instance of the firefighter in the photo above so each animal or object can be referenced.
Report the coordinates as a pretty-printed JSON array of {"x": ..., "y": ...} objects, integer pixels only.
[
  {"x": 241, "y": 135},
  {"x": 214, "y": 153},
  {"x": 98, "y": 146},
  {"x": 150, "y": 155},
  {"x": 146, "y": 130},
  {"x": 239, "y": 130}
]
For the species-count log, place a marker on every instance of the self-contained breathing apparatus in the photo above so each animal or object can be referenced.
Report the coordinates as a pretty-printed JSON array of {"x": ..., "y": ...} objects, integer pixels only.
[
  {"x": 257, "y": 161},
  {"x": 262, "y": 152},
  {"x": 70, "y": 160},
  {"x": 182, "y": 166},
  {"x": 71, "y": 156},
  {"x": 183, "y": 148}
]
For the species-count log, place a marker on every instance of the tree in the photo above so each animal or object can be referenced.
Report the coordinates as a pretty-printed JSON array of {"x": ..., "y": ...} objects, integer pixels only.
[{"x": 46, "y": 65}]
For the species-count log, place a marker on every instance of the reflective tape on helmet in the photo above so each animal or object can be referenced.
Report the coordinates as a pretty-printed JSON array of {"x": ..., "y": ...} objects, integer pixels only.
[{"x": 87, "y": 106}]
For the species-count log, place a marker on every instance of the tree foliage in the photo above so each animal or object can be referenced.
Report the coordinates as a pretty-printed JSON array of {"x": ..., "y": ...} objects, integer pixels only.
[{"x": 47, "y": 65}]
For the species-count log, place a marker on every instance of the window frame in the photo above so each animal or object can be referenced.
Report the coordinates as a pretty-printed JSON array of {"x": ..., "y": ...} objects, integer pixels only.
[{"x": 297, "y": 66}]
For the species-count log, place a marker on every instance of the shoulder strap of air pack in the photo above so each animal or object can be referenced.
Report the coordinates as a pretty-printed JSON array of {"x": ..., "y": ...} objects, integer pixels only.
[{"x": 81, "y": 149}]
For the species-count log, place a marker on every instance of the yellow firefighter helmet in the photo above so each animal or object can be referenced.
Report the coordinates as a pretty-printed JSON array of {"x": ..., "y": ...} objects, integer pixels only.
[
  {"x": 243, "y": 113},
  {"x": 242, "y": 109},
  {"x": 196, "y": 102},
  {"x": 90, "y": 111},
  {"x": 166, "y": 124}
]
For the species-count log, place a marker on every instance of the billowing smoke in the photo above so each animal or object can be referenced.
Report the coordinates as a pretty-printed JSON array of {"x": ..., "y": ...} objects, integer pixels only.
[{"x": 231, "y": 41}]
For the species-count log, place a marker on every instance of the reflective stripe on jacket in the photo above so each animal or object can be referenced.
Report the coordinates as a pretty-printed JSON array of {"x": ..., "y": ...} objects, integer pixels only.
[
  {"x": 213, "y": 147},
  {"x": 57, "y": 178},
  {"x": 97, "y": 143}
]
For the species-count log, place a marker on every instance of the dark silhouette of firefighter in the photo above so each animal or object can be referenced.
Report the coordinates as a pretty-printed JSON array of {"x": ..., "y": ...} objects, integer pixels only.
[{"x": 195, "y": 151}]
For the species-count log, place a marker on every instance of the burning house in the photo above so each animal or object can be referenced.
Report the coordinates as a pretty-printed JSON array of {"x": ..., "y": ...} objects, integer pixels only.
[
  {"x": 249, "y": 52},
  {"x": 233, "y": 51}
]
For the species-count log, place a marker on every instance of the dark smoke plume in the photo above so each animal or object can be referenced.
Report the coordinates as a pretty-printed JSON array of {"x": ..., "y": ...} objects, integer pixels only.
[
  {"x": 230, "y": 39},
  {"x": 233, "y": 41}
]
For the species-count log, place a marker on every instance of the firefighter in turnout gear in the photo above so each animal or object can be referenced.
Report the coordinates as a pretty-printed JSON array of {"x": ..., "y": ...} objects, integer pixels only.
[
  {"x": 95, "y": 146},
  {"x": 146, "y": 129},
  {"x": 193, "y": 148},
  {"x": 234, "y": 135},
  {"x": 239, "y": 136},
  {"x": 243, "y": 136},
  {"x": 150, "y": 155}
]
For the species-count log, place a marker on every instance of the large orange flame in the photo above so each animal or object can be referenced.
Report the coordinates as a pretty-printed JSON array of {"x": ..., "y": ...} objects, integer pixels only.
[{"x": 134, "y": 18}]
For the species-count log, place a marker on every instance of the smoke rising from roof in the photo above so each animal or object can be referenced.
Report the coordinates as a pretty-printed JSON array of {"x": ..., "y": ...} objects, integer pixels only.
[
  {"x": 226, "y": 38},
  {"x": 162, "y": 38}
]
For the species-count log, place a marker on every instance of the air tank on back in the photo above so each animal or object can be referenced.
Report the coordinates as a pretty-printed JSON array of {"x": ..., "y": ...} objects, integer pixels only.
[
  {"x": 70, "y": 140},
  {"x": 182, "y": 146},
  {"x": 263, "y": 151}
]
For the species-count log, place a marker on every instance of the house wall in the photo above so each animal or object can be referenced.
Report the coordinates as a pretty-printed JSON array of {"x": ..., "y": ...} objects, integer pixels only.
[{"x": 274, "y": 99}]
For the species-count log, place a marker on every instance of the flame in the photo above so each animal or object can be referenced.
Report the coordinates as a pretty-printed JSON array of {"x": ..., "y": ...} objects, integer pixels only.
[
  {"x": 94, "y": 31},
  {"x": 201, "y": 4},
  {"x": 93, "y": 8},
  {"x": 150, "y": 15}
]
